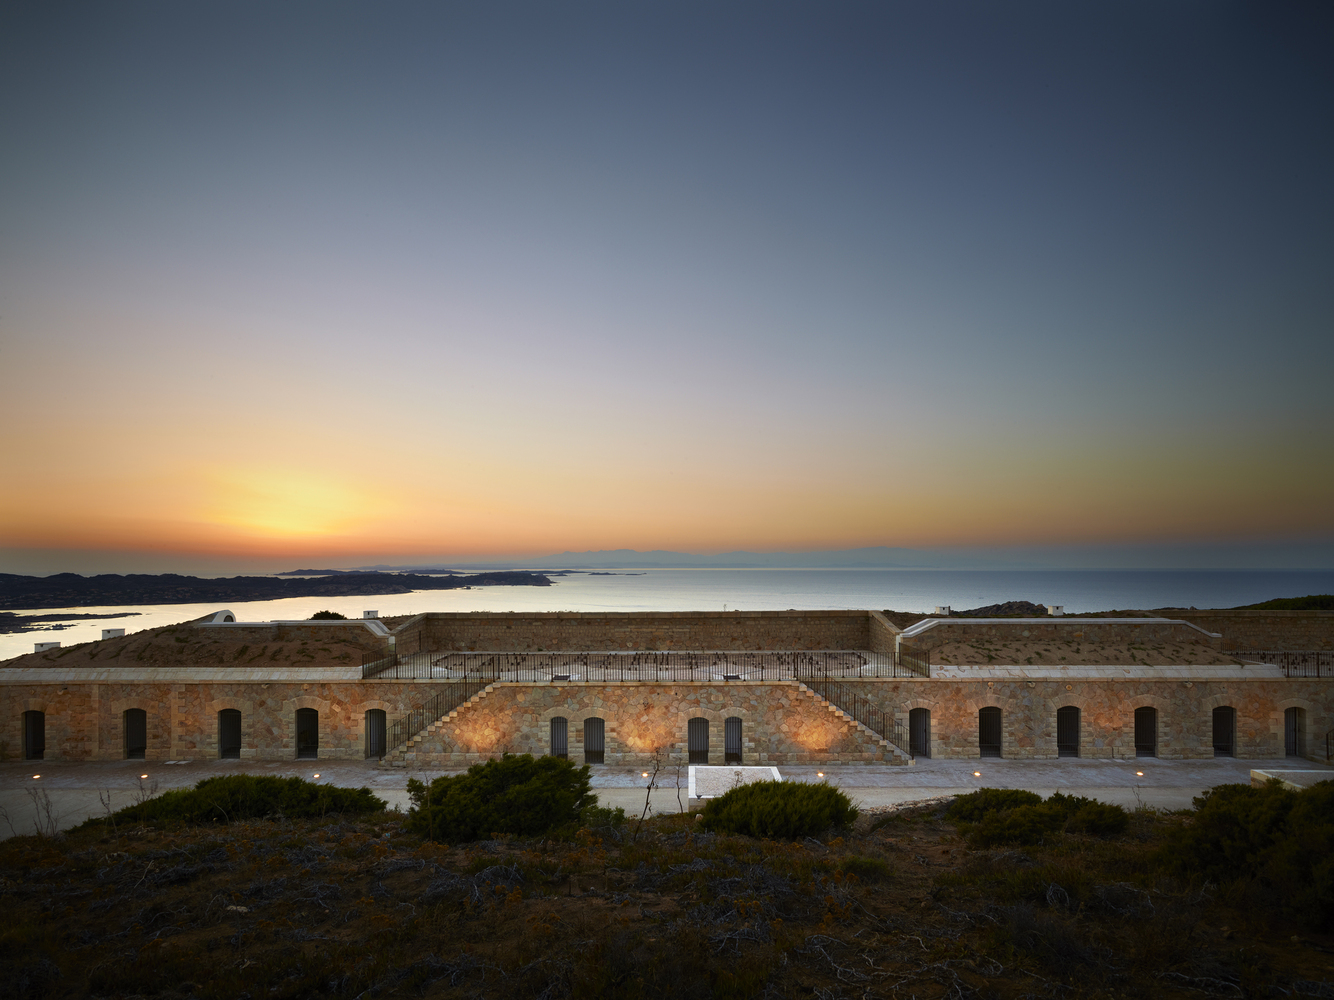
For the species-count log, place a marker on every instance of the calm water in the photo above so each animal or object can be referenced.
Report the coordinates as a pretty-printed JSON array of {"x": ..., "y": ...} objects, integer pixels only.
[{"x": 763, "y": 590}]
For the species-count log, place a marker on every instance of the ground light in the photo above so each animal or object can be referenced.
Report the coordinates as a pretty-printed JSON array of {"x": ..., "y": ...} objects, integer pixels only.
[
  {"x": 1139, "y": 774},
  {"x": 819, "y": 774},
  {"x": 977, "y": 774},
  {"x": 317, "y": 775},
  {"x": 143, "y": 776},
  {"x": 35, "y": 777}
]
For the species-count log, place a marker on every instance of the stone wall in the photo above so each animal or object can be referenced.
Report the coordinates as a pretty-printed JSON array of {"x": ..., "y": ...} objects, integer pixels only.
[
  {"x": 1093, "y": 631},
  {"x": 1267, "y": 630},
  {"x": 781, "y": 723},
  {"x": 1107, "y": 713},
  {"x": 533, "y": 632}
]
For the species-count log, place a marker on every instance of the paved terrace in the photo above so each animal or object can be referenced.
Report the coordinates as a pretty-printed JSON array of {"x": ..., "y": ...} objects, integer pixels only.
[{"x": 74, "y": 788}]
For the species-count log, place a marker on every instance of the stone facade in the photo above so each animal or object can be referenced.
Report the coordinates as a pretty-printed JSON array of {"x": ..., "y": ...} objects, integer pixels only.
[
  {"x": 1267, "y": 630},
  {"x": 781, "y": 723},
  {"x": 1093, "y": 631},
  {"x": 662, "y": 630}
]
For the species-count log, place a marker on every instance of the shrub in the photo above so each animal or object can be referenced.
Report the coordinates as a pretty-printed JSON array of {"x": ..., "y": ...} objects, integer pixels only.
[
  {"x": 328, "y": 616},
  {"x": 778, "y": 810},
  {"x": 598, "y": 817},
  {"x": 866, "y": 869},
  {"x": 992, "y": 816},
  {"x": 233, "y": 797},
  {"x": 972, "y": 807},
  {"x": 521, "y": 795},
  {"x": 1280, "y": 840}
]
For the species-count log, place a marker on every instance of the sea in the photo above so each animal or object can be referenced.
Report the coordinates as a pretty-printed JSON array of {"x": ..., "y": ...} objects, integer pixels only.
[{"x": 746, "y": 590}]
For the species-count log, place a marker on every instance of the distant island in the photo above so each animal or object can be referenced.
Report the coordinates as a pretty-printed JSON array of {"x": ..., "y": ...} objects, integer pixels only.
[{"x": 69, "y": 590}]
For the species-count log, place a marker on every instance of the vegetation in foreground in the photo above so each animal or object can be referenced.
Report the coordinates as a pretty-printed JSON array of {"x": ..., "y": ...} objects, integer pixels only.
[{"x": 354, "y": 905}]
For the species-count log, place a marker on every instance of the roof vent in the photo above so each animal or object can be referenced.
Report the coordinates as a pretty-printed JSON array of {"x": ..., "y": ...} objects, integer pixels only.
[
  {"x": 942, "y": 610},
  {"x": 1055, "y": 609},
  {"x": 370, "y": 614}
]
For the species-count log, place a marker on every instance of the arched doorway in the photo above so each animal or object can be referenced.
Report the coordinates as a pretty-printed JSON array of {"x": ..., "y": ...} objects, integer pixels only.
[
  {"x": 697, "y": 740},
  {"x": 134, "y": 723},
  {"x": 919, "y": 732},
  {"x": 375, "y": 732},
  {"x": 732, "y": 741},
  {"x": 1225, "y": 731},
  {"x": 307, "y": 734},
  {"x": 229, "y": 734},
  {"x": 1067, "y": 731},
  {"x": 34, "y": 735},
  {"x": 560, "y": 737},
  {"x": 989, "y": 728},
  {"x": 1146, "y": 732}
]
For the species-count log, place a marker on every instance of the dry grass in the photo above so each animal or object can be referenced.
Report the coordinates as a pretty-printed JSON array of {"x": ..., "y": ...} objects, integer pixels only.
[{"x": 356, "y": 908}]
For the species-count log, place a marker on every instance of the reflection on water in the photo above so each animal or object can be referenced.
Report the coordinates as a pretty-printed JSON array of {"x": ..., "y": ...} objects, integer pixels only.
[{"x": 762, "y": 590}]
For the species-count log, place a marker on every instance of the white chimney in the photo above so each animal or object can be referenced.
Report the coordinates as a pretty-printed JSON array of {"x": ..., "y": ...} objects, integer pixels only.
[
  {"x": 111, "y": 633},
  {"x": 42, "y": 647},
  {"x": 1055, "y": 609}
]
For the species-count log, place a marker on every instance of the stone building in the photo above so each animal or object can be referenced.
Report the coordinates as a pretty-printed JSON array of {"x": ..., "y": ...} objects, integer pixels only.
[{"x": 759, "y": 687}]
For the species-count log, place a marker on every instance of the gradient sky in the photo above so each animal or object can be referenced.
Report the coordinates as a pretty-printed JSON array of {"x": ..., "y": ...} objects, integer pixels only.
[{"x": 339, "y": 282}]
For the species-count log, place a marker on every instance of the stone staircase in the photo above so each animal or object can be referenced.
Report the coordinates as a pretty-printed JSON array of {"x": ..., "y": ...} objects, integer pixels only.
[
  {"x": 895, "y": 753},
  {"x": 402, "y": 754}
]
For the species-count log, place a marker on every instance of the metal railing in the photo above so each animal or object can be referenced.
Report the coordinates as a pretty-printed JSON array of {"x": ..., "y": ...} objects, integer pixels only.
[
  {"x": 447, "y": 698},
  {"x": 1295, "y": 662},
  {"x": 605, "y": 667},
  {"x": 861, "y": 708}
]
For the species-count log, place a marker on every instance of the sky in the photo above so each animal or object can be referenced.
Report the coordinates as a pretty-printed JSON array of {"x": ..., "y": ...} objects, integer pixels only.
[{"x": 336, "y": 283}]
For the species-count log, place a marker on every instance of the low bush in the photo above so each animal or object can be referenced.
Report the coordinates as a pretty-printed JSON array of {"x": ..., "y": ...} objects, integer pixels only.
[
  {"x": 866, "y": 869},
  {"x": 522, "y": 795},
  {"x": 232, "y": 797},
  {"x": 1277, "y": 841},
  {"x": 993, "y": 816},
  {"x": 328, "y": 616},
  {"x": 779, "y": 810},
  {"x": 599, "y": 817}
]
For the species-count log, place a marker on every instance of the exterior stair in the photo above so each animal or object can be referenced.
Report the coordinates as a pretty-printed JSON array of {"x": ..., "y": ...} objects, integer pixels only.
[
  {"x": 401, "y": 754},
  {"x": 895, "y": 753}
]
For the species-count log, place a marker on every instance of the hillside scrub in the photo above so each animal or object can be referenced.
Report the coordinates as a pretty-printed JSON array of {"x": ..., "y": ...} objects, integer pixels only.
[
  {"x": 232, "y": 797},
  {"x": 779, "y": 810},
  {"x": 520, "y": 795},
  {"x": 992, "y": 816}
]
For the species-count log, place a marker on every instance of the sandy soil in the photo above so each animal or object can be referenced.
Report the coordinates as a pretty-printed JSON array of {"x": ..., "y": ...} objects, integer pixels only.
[
  {"x": 1075, "y": 653},
  {"x": 185, "y": 646}
]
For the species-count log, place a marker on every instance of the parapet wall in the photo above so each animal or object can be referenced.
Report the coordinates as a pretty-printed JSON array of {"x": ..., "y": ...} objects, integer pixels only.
[
  {"x": 1094, "y": 631},
  {"x": 664, "y": 630},
  {"x": 1268, "y": 630}
]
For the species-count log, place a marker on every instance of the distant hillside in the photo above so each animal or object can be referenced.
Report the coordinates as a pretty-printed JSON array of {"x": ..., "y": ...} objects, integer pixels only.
[
  {"x": 69, "y": 590},
  {"x": 1311, "y": 602}
]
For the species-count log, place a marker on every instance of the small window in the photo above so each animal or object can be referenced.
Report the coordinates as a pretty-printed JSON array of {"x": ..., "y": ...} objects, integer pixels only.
[
  {"x": 135, "y": 724},
  {"x": 560, "y": 737},
  {"x": 307, "y": 734},
  {"x": 229, "y": 734},
  {"x": 1067, "y": 731},
  {"x": 1225, "y": 731},
  {"x": 375, "y": 732},
  {"x": 34, "y": 735},
  {"x": 697, "y": 740},
  {"x": 1146, "y": 732},
  {"x": 989, "y": 731},
  {"x": 732, "y": 741},
  {"x": 595, "y": 741}
]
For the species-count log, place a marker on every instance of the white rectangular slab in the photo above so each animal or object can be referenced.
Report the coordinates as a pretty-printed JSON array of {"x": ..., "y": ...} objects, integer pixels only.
[{"x": 708, "y": 782}]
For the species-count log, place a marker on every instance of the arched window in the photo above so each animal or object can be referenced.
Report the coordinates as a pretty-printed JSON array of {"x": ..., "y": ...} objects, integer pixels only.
[
  {"x": 560, "y": 737},
  {"x": 1294, "y": 732},
  {"x": 595, "y": 741},
  {"x": 134, "y": 722},
  {"x": 697, "y": 740},
  {"x": 1225, "y": 731},
  {"x": 1146, "y": 732},
  {"x": 989, "y": 731},
  {"x": 375, "y": 732},
  {"x": 34, "y": 735},
  {"x": 919, "y": 732},
  {"x": 307, "y": 734},
  {"x": 1067, "y": 731},
  {"x": 229, "y": 734},
  {"x": 732, "y": 741}
]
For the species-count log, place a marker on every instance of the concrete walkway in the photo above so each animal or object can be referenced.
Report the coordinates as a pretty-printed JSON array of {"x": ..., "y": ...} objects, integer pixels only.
[{"x": 77, "y": 791}]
